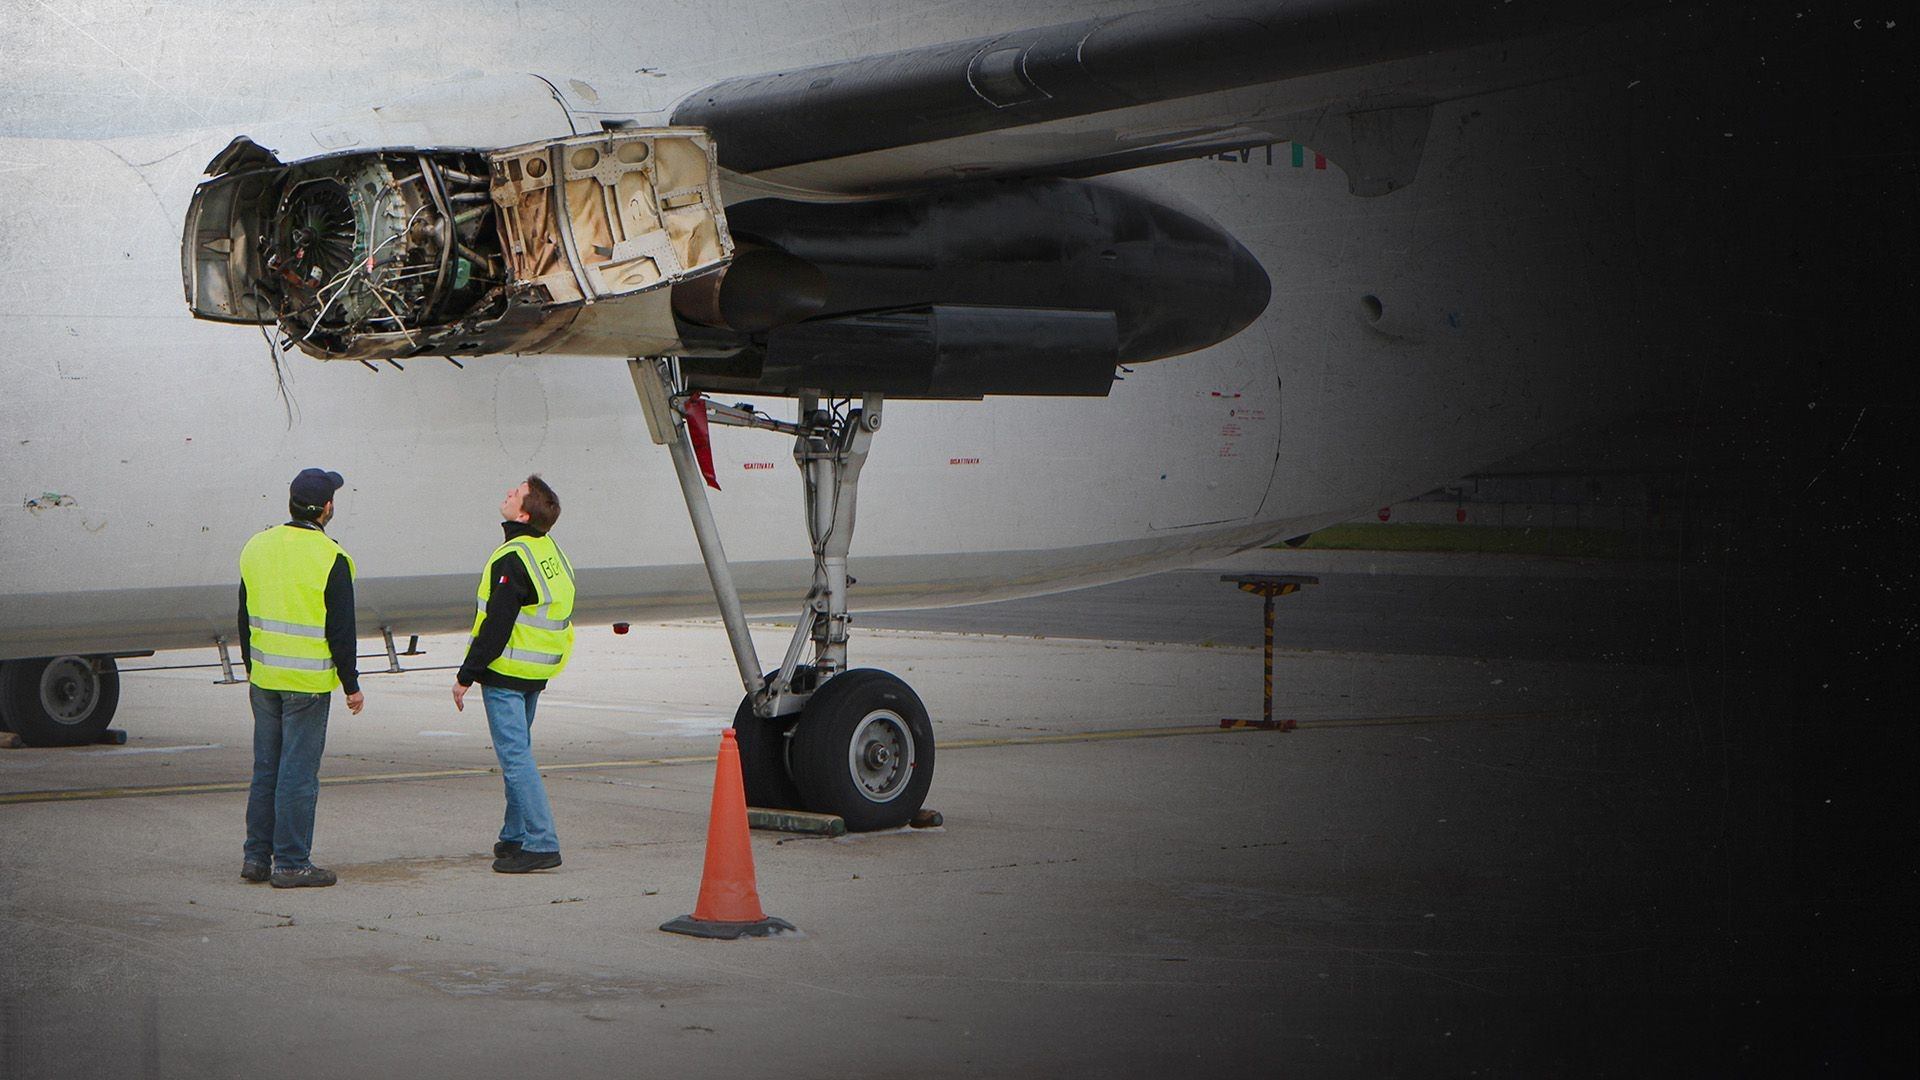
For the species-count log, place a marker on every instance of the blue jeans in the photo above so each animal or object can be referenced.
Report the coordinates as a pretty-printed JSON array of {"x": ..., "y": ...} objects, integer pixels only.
[
  {"x": 529, "y": 820},
  {"x": 289, "y": 734}
]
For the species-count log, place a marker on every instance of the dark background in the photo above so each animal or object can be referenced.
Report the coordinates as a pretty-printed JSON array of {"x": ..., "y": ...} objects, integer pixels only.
[{"x": 1792, "y": 299}]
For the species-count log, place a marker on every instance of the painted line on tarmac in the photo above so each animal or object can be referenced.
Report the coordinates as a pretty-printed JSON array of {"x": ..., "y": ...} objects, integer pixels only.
[
  {"x": 138, "y": 792},
  {"x": 141, "y": 792},
  {"x": 1215, "y": 729}
]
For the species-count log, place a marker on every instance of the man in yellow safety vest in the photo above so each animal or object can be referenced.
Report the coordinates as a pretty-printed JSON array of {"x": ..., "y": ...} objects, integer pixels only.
[
  {"x": 522, "y": 635},
  {"x": 297, "y": 641}
]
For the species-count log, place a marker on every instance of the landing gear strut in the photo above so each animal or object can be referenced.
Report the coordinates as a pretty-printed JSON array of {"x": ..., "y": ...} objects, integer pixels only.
[{"x": 813, "y": 735}]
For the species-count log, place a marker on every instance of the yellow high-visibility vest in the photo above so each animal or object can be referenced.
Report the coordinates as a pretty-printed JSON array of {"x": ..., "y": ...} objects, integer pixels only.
[
  {"x": 285, "y": 570},
  {"x": 542, "y": 637}
]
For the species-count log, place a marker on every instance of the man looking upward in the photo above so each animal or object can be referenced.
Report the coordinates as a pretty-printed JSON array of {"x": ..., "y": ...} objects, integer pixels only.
[{"x": 522, "y": 636}]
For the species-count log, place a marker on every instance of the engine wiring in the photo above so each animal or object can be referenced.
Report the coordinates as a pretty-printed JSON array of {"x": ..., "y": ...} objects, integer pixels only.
[
  {"x": 278, "y": 356},
  {"x": 362, "y": 253}
]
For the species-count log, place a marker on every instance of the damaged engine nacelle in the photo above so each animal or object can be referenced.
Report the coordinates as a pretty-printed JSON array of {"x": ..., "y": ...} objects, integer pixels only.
[
  {"x": 616, "y": 244},
  {"x": 394, "y": 253}
]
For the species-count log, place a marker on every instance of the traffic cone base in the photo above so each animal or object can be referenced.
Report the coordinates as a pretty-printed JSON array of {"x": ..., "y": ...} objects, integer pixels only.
[
  {"x": 729, "y": 904},
  {"x": 727, "y": 931}
]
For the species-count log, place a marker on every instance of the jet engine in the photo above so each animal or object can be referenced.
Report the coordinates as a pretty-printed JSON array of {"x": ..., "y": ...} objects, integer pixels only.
[
  {"x": 394, "y": 253},
  {"x": 616, "y": 244}
]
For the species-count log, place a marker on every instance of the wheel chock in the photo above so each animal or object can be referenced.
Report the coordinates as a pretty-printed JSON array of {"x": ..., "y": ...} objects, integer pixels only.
[
  {"x": 729, "y": 904},
  {"x": 925, "y": 819},
  {"x": 796, "y": 821},
  {"x": 109, "y": 737}
]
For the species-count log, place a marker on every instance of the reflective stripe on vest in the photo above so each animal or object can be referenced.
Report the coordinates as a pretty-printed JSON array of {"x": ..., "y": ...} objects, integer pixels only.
[
  {"x": 526, "y": 617},
  {"x": 532, "y": 657},
  {"x": 542, "y": 635},
  {"x": 300, "y": 662},
  {"x": 540, "y": 615},
  {"x": 285, "y": 570},
  {"x": 280, "y": 627}
]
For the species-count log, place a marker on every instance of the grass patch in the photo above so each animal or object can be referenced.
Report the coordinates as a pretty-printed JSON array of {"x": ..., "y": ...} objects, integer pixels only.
[{"x": 1491, "y": 539}]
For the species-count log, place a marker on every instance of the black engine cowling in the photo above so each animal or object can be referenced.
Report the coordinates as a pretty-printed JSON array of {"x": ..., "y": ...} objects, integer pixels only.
[{"x": 1030, "y": 287}]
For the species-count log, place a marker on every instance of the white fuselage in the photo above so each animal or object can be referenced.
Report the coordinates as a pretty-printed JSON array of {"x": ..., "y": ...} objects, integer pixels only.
[{"x": 140, "y": 448}]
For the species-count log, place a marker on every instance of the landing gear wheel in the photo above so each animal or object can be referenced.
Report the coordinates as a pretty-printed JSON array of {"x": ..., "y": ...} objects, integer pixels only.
[
  {"x": 4, "y": 726},
  {"x": 764, "y": 771},
  {"x": 60, "y": 700},
  {"x": 864, "y": 750}
]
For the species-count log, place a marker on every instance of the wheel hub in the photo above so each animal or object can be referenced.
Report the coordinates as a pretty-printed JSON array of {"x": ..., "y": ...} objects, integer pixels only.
[
  {"x": 880, "y": 755},
  {"x": 69, "y": 689}
]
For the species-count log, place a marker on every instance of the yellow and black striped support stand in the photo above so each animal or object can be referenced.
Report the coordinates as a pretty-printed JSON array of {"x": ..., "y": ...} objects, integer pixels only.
[{"x": 1267, "y": 586}]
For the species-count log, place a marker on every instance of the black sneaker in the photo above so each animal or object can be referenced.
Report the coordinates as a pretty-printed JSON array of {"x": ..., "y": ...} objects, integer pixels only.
[
  {"x": 255, "y": 871},
  {"x": 307, "y": 877},
  {"x": 521, "y": 862},
  {"x": 504, "y": 848}
]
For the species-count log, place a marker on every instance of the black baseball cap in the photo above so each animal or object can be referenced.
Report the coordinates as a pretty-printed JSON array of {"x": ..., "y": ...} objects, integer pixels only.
[{"x": 313, "y": 487}]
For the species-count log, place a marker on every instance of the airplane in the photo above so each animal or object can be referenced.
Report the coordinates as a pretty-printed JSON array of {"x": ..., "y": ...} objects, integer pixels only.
[{"x": 1131, "y": 291}]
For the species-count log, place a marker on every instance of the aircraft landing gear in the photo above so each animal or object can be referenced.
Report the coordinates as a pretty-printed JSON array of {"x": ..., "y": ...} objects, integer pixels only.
[
  {"x": 59, "y": 700},
  {"x": 812, "y": 736},
  {"x": 864, "y": 750}
]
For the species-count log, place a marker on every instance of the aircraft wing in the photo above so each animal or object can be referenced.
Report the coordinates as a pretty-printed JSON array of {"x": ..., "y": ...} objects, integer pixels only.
[
  {"x": 1123, "y": 91},
  {"x": 494, "y": 254}
]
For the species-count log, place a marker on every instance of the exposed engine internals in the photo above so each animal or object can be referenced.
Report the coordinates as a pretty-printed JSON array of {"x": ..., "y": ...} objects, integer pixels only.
[
  {"x": 401, "y": 252},
  {"x": 383, "y": 244}
]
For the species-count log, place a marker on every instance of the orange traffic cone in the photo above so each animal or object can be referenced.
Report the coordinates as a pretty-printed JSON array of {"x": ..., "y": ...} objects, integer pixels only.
[{"x": 729, "y": 904}]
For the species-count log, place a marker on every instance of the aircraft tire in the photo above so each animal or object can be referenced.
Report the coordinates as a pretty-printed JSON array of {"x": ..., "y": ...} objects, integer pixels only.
[
  {"x": 864, "y": 750},
  {"x": 3, "y": 705},
  {"x": 59, "y": 700},
  {"x": 763, "y": 758}
]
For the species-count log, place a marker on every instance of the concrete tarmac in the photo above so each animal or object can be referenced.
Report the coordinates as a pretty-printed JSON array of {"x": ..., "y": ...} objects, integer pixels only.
[
  {"x": 1492, "y": 862},
  {"x": 1423, "y": 603}
]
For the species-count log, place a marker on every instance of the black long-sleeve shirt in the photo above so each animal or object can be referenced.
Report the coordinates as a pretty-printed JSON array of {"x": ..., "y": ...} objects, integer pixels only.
[
  {"x": 342, "y": 641},
  {"x": 513, "y": 589}
]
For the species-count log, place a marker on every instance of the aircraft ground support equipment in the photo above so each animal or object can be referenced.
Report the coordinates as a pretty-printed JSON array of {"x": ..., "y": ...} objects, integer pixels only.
[
  {"x": 813, "y": 735},
  {"x": 1269, "y": 587}
]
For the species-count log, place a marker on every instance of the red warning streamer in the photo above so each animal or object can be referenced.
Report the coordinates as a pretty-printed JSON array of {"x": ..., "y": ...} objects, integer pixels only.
[{"x": 696, "y": 412}]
